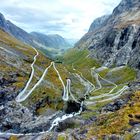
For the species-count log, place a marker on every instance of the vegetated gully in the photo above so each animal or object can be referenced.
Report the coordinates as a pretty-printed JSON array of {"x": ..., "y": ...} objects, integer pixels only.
[{"x": 23, "y": 95}]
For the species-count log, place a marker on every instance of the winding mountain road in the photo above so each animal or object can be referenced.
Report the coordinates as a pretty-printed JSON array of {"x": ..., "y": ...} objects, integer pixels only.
[
  {"x": 100, "y": 86},
  {"x": 90, "y": 86},
  {"x": 23, "y": 95},
  {"x": 65, "y": 96},
  {"x": 112, "y": 97},
  {"x": 69, "y": 90}
]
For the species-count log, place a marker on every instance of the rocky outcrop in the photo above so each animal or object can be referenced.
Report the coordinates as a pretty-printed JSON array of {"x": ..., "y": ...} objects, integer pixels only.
[
  {"x": 116, "y": 41},
  {"x": 12, "y": 116},
  {"x": 99, "y": 22},
  {"x": 115, "y": 105}
]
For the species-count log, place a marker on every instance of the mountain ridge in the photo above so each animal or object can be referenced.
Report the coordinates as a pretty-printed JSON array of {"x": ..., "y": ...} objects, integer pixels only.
[
  {"x": 126, "y": 5},
  {"x": 53, "y": 42}
]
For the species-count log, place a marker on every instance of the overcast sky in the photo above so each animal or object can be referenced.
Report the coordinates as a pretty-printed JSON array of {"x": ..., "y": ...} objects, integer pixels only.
[{"x": 69, "y": 18}]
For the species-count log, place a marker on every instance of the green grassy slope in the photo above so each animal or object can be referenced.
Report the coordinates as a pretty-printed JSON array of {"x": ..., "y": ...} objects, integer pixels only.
[
  {"x": 80, "y": 61},
  {"x": 16, "y": 59}
]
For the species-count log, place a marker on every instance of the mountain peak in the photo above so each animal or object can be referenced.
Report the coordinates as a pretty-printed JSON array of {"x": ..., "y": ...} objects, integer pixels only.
[
  {"x": 126, "y": 5},
  {"x": 55, "y": 35}
]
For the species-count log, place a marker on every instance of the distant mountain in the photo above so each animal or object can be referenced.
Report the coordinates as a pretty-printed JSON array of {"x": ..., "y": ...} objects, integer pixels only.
[
  {"x": 54, "y": 41},
  {"x": 51, "y": 45},
  {"x": 115, "y": 39}
]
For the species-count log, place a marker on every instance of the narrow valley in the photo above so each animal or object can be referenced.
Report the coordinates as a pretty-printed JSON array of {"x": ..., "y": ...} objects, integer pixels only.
[{"x": 51, "y": 89}]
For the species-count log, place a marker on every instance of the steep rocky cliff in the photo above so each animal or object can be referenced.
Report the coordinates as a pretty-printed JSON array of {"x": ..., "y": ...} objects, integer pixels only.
[
  {"x": 117, "y": 41},
  {"x": 97, "y": 23}
]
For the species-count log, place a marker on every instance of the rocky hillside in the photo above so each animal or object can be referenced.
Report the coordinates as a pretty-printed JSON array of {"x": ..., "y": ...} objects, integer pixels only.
[
  {"x": 15, "y": 31},
  {"x": 99, "y": 78},
  {"x": 15, "y": 65},
  {"x": 98, "y": 23},
  {"x": 115, "y": 39}
]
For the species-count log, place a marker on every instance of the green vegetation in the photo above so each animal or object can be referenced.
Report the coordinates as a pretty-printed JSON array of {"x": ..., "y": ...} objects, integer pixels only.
[
  {"x": 117, "y": 122},
  {"x": 120, "y": 77},
  {"x": 11, "y": 64},
  {"x": 50, "y": 89},
  {"x": 61, "y": 137},
  {"x": 79, "y": 60},
  {"x": 125, "y": 74},
  {"x": 49, "y": 93},
  {"x": 13, "y": 138}
]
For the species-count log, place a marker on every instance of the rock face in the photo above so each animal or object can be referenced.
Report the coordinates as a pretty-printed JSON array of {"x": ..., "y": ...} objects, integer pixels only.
[
  {"x": 97, "y": 23},
  {"x": 115, "y": 40},
  {"x": 55, "y": 41},
  {"x": 126, "y": 5},
  {"x": 114, "y": 106},
  {"x": 15, "y": 115}
]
